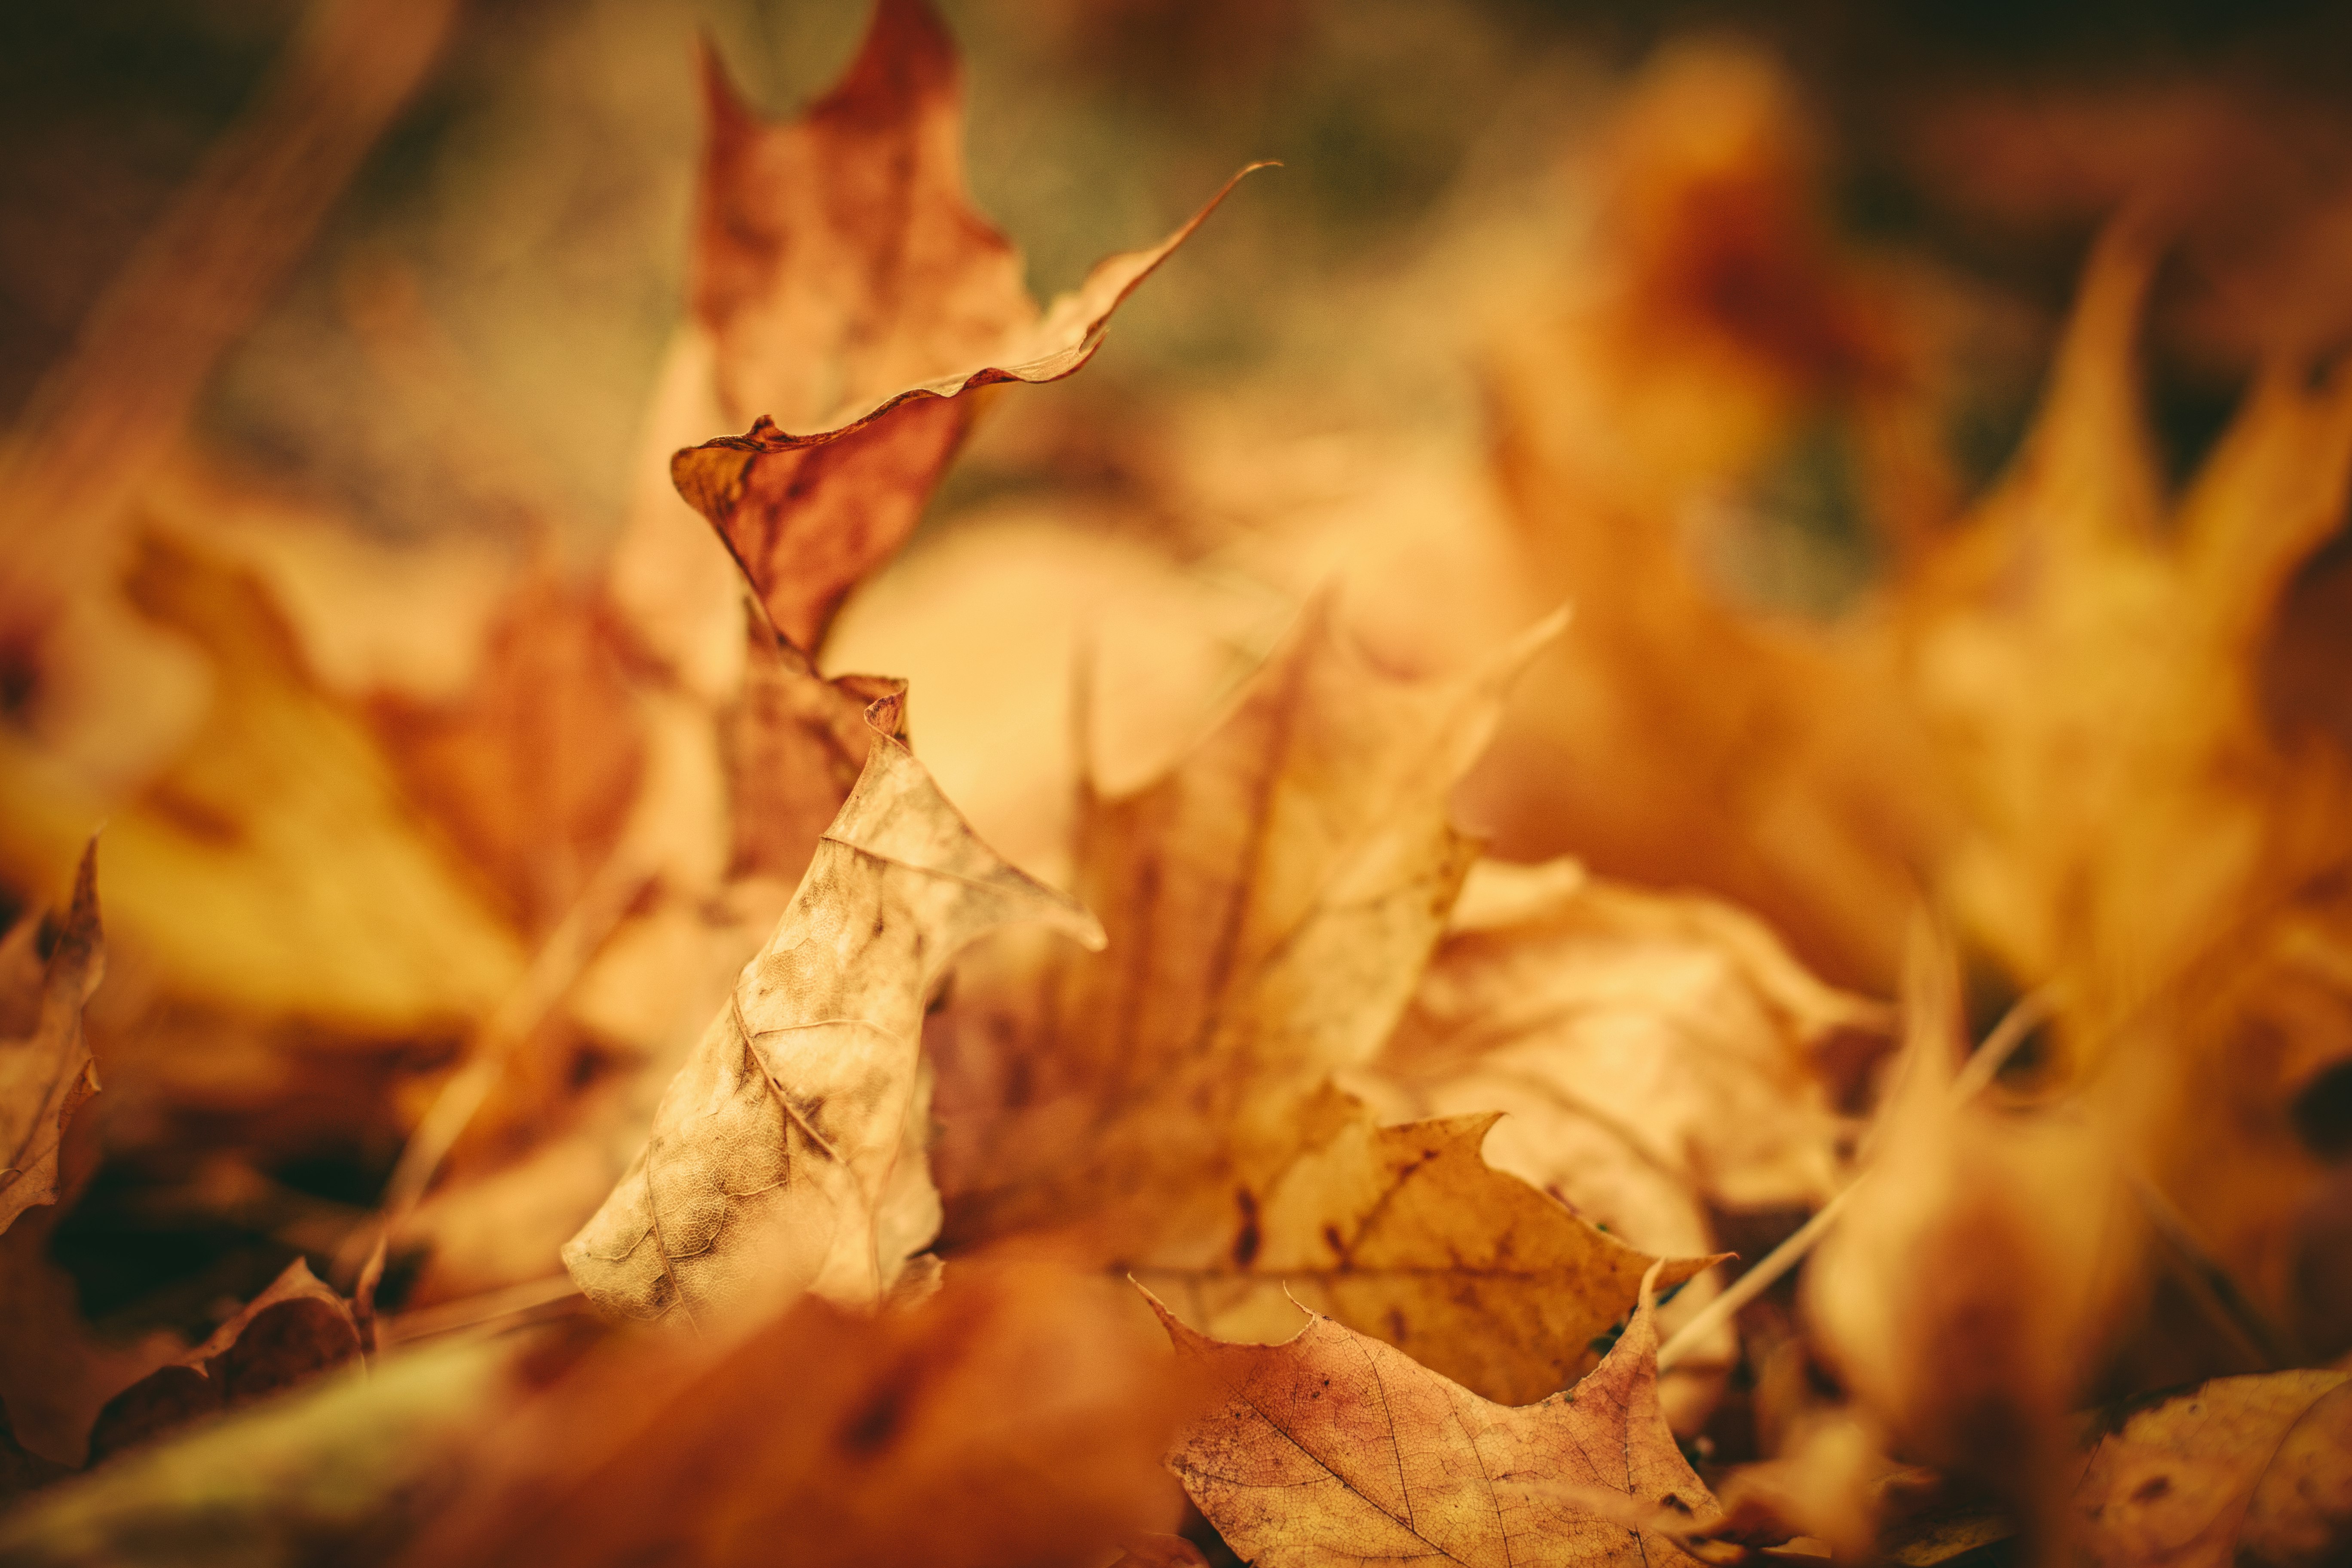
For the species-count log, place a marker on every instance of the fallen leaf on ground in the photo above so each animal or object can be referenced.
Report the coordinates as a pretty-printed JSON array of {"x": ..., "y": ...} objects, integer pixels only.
[
  {"x": 1334, "y": 1448},
  {"x": 1658, "y": 1054},
  {"x": 1270, "y": 902},
  {"x": 1012, "y": 1419},
  {"x": 532, "y": 767},
  {"x": 231, "y": 870},
  {"x": 328, "y": 1475},
  {"x": 1408, "y": 1232},
  {"x": 853, "y": 294},
  {"x": 45, "y": 1075},
  {"x": 290, "y": 1333},
  {"x": 787, "y": 1155},
  {"x": 2242, "y": 1470}
]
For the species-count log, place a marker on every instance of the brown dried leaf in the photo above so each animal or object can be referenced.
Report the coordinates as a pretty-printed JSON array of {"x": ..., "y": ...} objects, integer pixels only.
[
  {"x": 1713, "y": 333},
  {"x": 290, "y": 1333},
  {"x": 1012, "y": 1419},
  {"x": 2252, "y": 1470},
  {"x": 1408, "y": 1233},
  {"x": 45, "y": 1075},
  {"x": 231, "y": 870},
  {"x": 1964, "y": 1305},
  {"x": 1658, "y": 1054},
  {"x": 781, "y": 1159},
  {"x": 853, "y": 294},
  {"x": 532, "y": 767},
  {"x": 1270, "y": 904},
  {"x": 1334, "y": 1448}
]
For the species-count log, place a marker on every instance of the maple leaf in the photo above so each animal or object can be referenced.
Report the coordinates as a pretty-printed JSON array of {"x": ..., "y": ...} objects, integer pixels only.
[
  {"x": 1270, "y": 900},
  {"x": 1332, "y": 1448},
  {"x": 1409, "y": 1231},
  {"x": 2252, "y": 1470},
  {"x": 45, "y": 1075},
  {"x": 780, "y": 1158},
  {"x": 294, "y": 1331},
  {"x": 1268, "y": 903},
  {"x": 852, "y": 291},
  {"x": 1712, "y": 330}
]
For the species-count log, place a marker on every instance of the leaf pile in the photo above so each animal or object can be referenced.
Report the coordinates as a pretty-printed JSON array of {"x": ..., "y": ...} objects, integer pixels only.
[{"x": 579, "y": 1087}]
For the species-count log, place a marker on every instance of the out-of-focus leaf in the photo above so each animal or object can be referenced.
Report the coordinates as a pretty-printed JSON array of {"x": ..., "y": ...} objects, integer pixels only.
[
  {"x": 1332, "y": 1448},
  {"x": 292, "y": 1331},
  {"x": 853, "y": 294},
  {"x": 1012, "y": 1419},
  {"x": 1960, "y": 1301},
  {"x": 235, "y": 871},
  {"x": 1711, "y": 329},
  {"x": 2242, "y": 1470},
  {"x": 343, "y": 1473},
  {"x": 532, "y": 767},
  {"x": 45, "y": 1076},
  {"x": 787, "y": 1155},
  {"x": 1409, "y": 1232}
]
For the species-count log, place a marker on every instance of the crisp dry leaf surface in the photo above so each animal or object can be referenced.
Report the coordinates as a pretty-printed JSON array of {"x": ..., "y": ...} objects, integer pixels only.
[
  {"x": 1333, "y": 1448},
  {"x": 1406, "y": 1233},
  {"x": 853, "y": 294},
  {"x": 1657, "y": 1053},
  {"x": 781, "y": 1158},
  {"x": 1270, "y": 902},
  {"x": 46, "y": 1075}
]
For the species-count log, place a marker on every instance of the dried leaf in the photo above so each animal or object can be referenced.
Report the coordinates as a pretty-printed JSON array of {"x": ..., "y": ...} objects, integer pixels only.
[
  {"x": 1713, "y": 332},
  {"x": 1408, "y": 1233},
  {"x": 1969, "y": 1364},
  {"x": 343, "y": 1472},
  {"x": 1269, "y": 903},
  {"x": 780, "y": 1160},
  {"x": 292, "y": 1331},
  {"x": 2253, "y": 1471},
  {"x": 1012, "y": 1419},
  {"x": 854, "y": 295},
  {"x": 232, "y": 870},
  {"x": 533, "y": 766},
  {"x": 45, "y": 1076},
  {"x": 1334, "y": 1448},
  {"x": 1659, "y": 1055}
]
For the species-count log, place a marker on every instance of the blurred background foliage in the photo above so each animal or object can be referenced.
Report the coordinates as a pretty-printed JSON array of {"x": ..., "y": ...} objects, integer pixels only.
[{"x": 522, "y": 227}]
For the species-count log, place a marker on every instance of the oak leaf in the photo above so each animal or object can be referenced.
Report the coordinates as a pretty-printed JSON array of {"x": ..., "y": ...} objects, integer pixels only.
[
  {"x": 1409, "y": 1232},
  {"x": 787, "y": 1153},
  {"x": 45, "y": 1075},
  {"x": 1334, "y": 1448}
]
